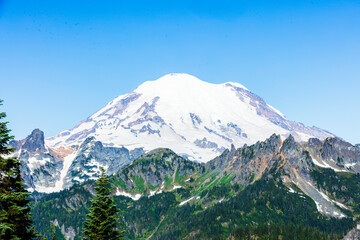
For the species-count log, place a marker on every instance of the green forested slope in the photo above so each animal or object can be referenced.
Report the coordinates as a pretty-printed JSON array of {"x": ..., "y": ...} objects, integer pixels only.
[{"x": 218, "y": 208}]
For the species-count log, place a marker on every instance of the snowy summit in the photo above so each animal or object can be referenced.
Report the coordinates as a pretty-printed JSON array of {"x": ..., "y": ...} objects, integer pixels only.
[{"x": 194, "y": 118}]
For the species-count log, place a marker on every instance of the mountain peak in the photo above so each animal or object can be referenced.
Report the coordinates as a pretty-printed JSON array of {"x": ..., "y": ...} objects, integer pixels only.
[
  {"x": 289, "y": 143},
  {"x": 194, "y": 118},
  {"x": 176, "y": 81},
  {"x": 183, "y": 80},
  {"x": 35, "y": 141},
  {"x": 181, "y": 77}
]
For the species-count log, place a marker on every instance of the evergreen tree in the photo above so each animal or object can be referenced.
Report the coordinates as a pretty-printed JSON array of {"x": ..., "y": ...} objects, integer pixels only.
[
  {"x": 15, "y": 218},
  {"x": 53, "y": 233},
  {"x": 101, "y": 223}
]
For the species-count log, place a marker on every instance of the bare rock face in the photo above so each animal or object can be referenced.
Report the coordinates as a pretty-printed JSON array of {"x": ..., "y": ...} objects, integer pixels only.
[
  {"x": 40, "y": 167},
  {"x": 335, "y": 153},
  {"x": 354, "y": 234},
  {"x": 340, "y": 151},
  {"x": 294, "y": 161},
  {"x": 249, "y": 162},
  {"x": 35, "y": 142},
  {"x": 287, "y": 161},
  {"x": 47, "y": 169},
  {"x": 92, "y": 155}
]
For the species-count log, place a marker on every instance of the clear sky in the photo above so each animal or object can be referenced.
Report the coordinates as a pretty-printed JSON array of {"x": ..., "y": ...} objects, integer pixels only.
[{"x": 60, "y": 61}]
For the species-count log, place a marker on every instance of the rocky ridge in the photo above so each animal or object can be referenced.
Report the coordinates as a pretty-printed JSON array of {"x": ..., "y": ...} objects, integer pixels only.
[
  {"x": 160, "y": 180},
  {"x": 46, "y": 169},
  {"x": 162, "y": 170}
]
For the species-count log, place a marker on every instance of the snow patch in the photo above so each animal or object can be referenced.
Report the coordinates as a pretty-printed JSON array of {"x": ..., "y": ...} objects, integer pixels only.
[
  {"x": 291, "y": 190},
  {"x": 123, "y": 193},
  {"x": 183, "y": 202},
  {"x": 326, "y": 165},
  {"x": 36, "y": 162},
  {"x": 333, "y": 201},
  {"x": 324, "y": 209},
  {"x": 176, "y": 187},
  {"x": 152, "y": 193},
  {"x": 66, "y": 165},
  {"x": 349, "y": 165},
  {"x": 59, "y": 185}
]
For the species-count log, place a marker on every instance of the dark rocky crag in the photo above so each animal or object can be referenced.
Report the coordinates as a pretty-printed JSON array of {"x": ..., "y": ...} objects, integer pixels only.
[
  {"x": 34, "y": 172},
  {"x": 43, "y": 168}
]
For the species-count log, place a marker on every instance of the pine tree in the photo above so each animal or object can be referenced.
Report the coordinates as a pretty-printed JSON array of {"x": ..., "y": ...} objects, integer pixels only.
[
  {"x": 53, "y": 233},
  {"x": 15, "y": 218},
  {"x": 101, "y": 223}
]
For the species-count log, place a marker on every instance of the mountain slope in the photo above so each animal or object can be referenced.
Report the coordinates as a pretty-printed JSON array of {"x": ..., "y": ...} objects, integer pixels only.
[
  {"x": 162, "y": 195},
  {"x": 196, "y": 119},
  {"x": 45, "y": 169},
  {"x": 245, "y": 165}
]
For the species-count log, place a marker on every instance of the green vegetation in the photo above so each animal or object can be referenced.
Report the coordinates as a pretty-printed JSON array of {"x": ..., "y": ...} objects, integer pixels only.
[
  {"x": 267, "y": 201},
  {"x": 15, "y": 218},
  {"x": 219, "y": 207},
  {"x": 168, "y": 182},
  {"x": 139, "y": 184},
  {"x": 226, "y": 179},
  {"x": 180, "y": 179},
  {"x": 101, "y": 222},
  {"x": 69, "y": 206},
  {"x": 252, "y": 177},
  {"x": 140, "y": 218},
  {"x": 227, "y": 199},
  {"x": 118, "y": 182},
  {"x": 343, "y": 186},
  {"x": 278, "y": 232}
]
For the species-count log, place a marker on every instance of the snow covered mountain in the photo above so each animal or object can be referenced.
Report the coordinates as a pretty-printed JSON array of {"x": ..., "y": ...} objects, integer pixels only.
[{"x": 194, "y": 118}]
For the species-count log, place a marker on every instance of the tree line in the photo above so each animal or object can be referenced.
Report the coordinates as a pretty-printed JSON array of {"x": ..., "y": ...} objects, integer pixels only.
[{"x": 15, "y": 217}]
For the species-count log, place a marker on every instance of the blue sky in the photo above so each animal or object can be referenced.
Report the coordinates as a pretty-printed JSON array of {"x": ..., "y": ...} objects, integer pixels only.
[{"x": 60, "y": 61}]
